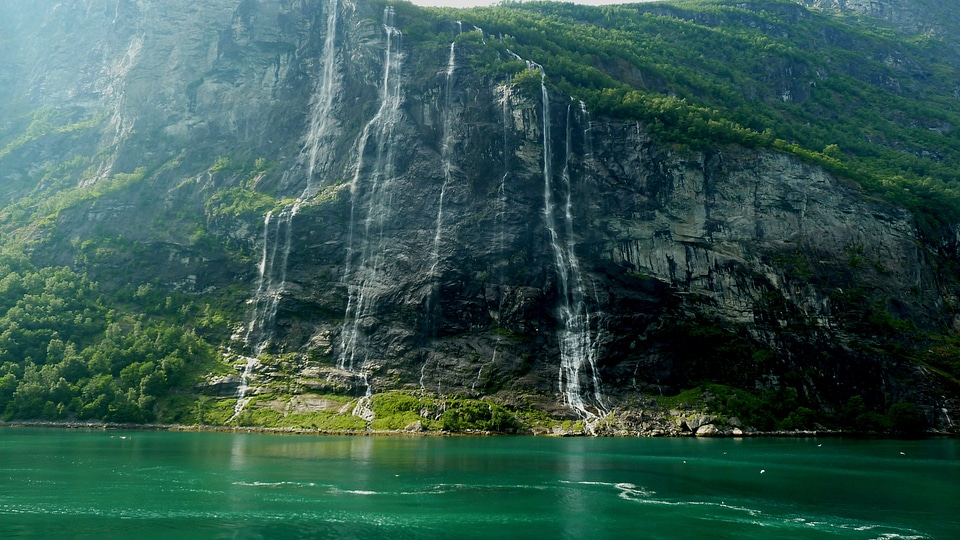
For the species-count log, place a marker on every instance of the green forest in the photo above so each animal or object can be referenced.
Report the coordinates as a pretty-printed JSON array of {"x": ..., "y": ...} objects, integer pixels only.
[{"x": 65, "y": 355}]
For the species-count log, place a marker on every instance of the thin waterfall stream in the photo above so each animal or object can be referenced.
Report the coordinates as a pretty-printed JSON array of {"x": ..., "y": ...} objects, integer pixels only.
[
  {"x": 446, "y": 151},
  {"x": 500, "y": 229},
  {"x": 578, "y": 351},
  {"x": 372, "y": 193},
  {"x": 277, "y": 226},
  {"x": 446, "y": 154}
]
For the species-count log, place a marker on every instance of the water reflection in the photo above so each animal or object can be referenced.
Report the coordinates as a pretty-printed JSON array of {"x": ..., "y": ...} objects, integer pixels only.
[
  {"x": 238, "y": 452},
  {"x": 572, "y": 501}
]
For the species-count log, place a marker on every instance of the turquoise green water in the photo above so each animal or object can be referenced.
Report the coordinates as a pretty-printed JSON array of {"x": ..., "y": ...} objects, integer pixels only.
[{"x": 111, "y": 484}]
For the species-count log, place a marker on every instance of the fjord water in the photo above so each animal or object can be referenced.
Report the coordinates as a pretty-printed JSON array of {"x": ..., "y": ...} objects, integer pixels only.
[{"x": 133, "y": 484}]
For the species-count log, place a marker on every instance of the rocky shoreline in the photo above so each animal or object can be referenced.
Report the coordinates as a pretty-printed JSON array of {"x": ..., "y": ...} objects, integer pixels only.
[{"x": 411, "y": 431}]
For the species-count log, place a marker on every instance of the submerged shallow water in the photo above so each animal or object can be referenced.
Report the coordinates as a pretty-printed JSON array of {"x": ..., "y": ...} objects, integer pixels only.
[{"x": 123, "y": 484}]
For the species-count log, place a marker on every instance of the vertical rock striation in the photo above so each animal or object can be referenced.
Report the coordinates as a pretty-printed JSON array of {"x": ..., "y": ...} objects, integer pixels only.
[{"x": 435, "y": 227}]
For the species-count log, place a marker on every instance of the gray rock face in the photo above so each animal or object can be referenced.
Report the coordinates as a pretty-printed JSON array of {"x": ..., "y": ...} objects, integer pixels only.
[
  {"x": 927, "y": 17},
  {"x": 458, "y": 234},
  {"x": 707, "y": 430}
]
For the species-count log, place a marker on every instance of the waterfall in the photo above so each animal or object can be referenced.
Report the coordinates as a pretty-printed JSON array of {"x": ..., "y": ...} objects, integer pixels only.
[
  {"x": 277, "y": 228},
  {"x": 500, "y": 228},
  {"x": 245, "y": 376},
  {"x": 578, "y": 375},
  {"x": 423, "y": 374},
  {"x": 445, "y": 151},
  {"x": 493, "y": 362},
  {"x": 583, "y": 344},
  {"x": 587, "y": 135},
  {"x": 322, "y": 123},
  {"x": 277, "y": 233},
  {"x": 500, "y": 237},
  {"x": 271, "y": 278},
  {"x": 594, "y": 321},
  {"x": 372, "y": 190},
  {"x": 435, "y": 254}
]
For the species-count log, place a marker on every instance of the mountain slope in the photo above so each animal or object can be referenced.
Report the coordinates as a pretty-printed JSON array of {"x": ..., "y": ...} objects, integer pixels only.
[{"x": 381, "y": 215}]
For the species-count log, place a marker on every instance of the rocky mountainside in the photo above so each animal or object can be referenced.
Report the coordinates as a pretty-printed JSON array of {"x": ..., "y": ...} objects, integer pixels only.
[
  {"x": 936, "y": 17},
  {"x": 358, "y": 199}
]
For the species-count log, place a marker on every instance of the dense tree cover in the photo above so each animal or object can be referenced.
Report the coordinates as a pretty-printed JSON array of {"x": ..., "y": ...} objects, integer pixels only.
[
  {"x": 861, "y": 100},
  {"x": 785, "y": 409},
  {"x": 65, "y": 355}
]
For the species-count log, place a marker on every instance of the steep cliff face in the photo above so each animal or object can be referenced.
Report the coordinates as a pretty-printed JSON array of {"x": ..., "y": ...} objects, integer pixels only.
[
  {"x": 492, "y": 241},
  {"x": 916, "y": 16},
  {"x": 396, "y": 217}
]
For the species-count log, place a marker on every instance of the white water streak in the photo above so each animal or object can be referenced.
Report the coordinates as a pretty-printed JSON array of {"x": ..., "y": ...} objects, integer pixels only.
[
  {"x": 322, "y": 123},
  {"x": 244, "y": 387},
  {"x": 578, "y": 350},
  {"x": 271, "y": 279},
  {"x": 493, "y": 362},
  {"x": 277, "y": 230},
  {"x": 445, "y": 151},
  {"x": 502, "y": 191},
  {"x": 423, "y": 374},
  {"x": 371, "y": 190}
]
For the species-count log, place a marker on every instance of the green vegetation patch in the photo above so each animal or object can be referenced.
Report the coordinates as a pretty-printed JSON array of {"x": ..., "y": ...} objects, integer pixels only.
[
  {"x": 65, "y": 356},
  {"x": 785, "y": 409},
  {"x": 46, "y": 121}
]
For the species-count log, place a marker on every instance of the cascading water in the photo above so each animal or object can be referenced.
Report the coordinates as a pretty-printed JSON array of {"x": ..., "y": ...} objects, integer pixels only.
[
  {"x": 500, "y": 229},
  {"x": 493, "y": 361},
  {"x": 578, "y": 351},
  {"x": 271, "y": 278},
  {"x": 595, "y": 321},
  {"x": 245, "y": 377},
  {"x": 582, "y": 340},
  {"x": 587, "y": 135},
  {"x": 372, "y": 190},
  {"x": 270, "y": 282},
  {"x": 322, "y": 122},
  {"x": 446, "y": 151},
  {"x": 277, "y": 228},
  {"x": 502, "y": 188}
]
